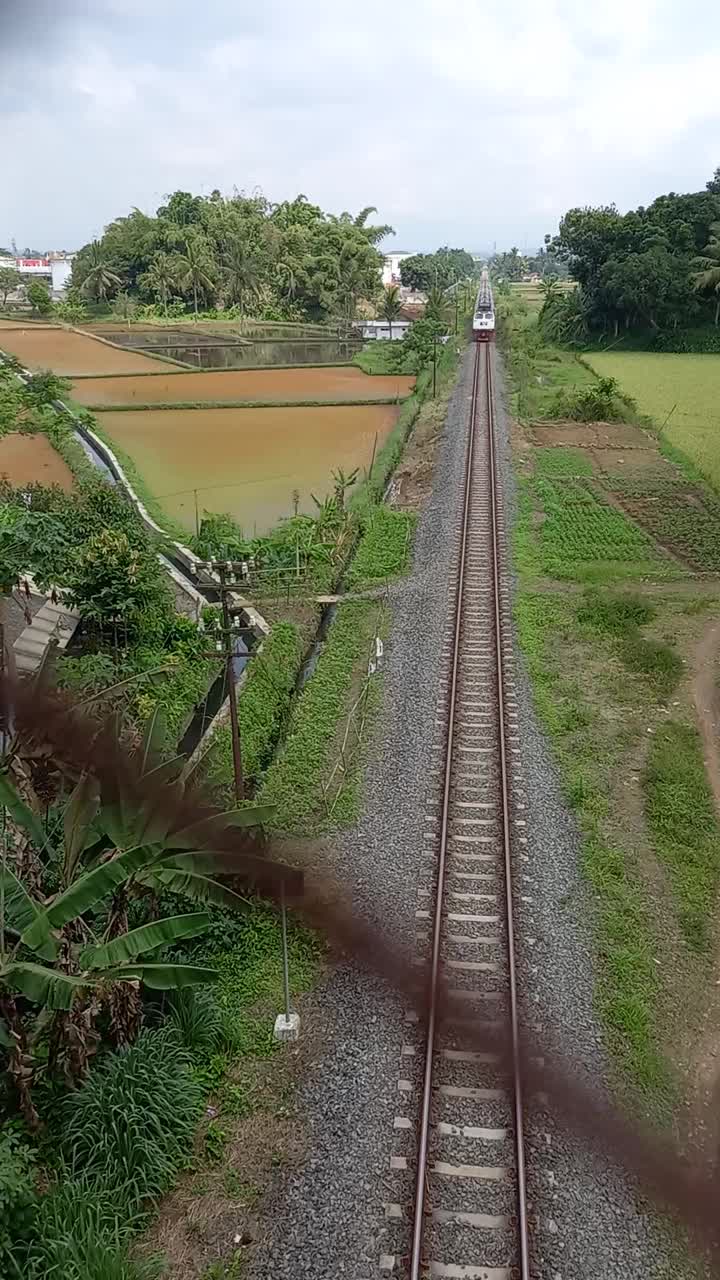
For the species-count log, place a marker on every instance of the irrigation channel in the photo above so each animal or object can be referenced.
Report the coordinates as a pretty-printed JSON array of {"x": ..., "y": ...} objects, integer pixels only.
[{"x": 469, "y": 1216}]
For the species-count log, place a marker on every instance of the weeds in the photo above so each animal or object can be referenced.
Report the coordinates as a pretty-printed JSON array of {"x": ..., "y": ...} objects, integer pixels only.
[
  {"x": 383, "y": 549},
  {"x": 681, "y": 817},
  {"x": 620, "y": 617}
]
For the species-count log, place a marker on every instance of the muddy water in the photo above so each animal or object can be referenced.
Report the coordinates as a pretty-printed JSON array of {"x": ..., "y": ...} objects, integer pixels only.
[
  {"x": 334, "y": 383},
  {"x": 66, "y": 352},
  {"x": 25, "y": 458},
  {"x": 246, "y": 461}
]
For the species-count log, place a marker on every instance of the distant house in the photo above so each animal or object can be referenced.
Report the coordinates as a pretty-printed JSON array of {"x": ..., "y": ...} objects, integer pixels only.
[
  {"x": 372, "y": 329},
  {"x": 54, "y": 270}
]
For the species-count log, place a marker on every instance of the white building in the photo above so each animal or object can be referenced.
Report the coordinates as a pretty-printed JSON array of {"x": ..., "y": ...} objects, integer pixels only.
[
  {"x": 381, "y": 329},
  {"x": 391, "y": 266},
  {"x": 54, "y": 270}
]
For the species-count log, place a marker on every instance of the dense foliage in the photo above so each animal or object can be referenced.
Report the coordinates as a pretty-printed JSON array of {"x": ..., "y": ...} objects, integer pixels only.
[
  {"x": 654, "y": 268},
  {"x": 283, "y": 261},
  {"x": 439, "y": 270}
]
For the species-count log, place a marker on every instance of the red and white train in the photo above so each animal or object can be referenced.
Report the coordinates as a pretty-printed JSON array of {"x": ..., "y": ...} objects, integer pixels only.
[{"x": 483, "y": 327}]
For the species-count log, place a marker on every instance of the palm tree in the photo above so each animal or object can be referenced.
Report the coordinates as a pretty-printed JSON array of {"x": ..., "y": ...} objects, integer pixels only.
[
  {"x": 195, "y": 269},
  {"x": 161, "y": 277},
  {"x": 708, "y": 277},
  {"x": 436, "y": 305},
  {"x": 391, "y": 306},
  {"x": 100, "y": 279},
  {"x": 241, "y": 274}
]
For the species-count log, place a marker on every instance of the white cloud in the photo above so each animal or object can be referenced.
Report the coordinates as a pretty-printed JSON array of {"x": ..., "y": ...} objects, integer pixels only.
[{"x": 461, "y": 122}]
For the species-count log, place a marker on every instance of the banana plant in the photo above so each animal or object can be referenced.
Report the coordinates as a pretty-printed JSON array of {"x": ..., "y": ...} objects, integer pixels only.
[{"x": 52, "y": 952}]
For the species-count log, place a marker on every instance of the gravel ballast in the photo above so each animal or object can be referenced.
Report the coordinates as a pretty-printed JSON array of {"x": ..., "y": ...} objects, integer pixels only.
[{"x": 328, "y": 1217}]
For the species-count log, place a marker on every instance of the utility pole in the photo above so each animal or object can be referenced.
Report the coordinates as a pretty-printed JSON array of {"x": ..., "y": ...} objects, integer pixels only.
[
  {"x": 434, "y": 366},
  {"x": 227, "y": 571}
]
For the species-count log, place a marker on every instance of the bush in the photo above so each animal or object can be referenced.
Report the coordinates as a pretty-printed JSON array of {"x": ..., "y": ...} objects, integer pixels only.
[
  {"x": 130, "y": 1127},
  {"x": 595, "y": 403},
  {"x": 18, "y": 1202},
  {"x": 699, "y": 342}
]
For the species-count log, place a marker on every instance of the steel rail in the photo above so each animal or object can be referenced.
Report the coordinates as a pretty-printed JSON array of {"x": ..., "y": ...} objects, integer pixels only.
[
  {"x": 416, "y": 1257},
  {"x": 424, "y": 1132},
  {"x": 522, "y": 1209}
]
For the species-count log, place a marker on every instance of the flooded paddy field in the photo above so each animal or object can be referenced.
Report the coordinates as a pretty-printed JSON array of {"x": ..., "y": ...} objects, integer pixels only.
[
  {"x": 343, "y": 382},
  {"x": 66, "y": 352},
  {"x": 236, "y": 352},
  {"x": 28, "y": 458},
  {"x": 246, "y": 461}
]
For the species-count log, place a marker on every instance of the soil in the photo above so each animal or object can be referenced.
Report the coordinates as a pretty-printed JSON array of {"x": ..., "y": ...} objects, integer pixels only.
[
  {"x": 597, "y": 435},
  {"x": 68, "y": 353},
  {"x": 28, "y": 458},
  {"x": 335, "y": 383},
  {"x": 412, "y": 482}
]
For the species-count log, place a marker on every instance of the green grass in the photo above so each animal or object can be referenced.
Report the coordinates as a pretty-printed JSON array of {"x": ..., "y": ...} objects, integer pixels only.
[
  {"x": 681, "y": 393},
  {"x": 377, "y": 357},
  {"x": 625, "y": 931},
  {"x": 293, "y": 783},
  {"x": 263, "y": 704},
  {"x": 620, "y": 618},
  {"x": 685, "y": 829},
  {"x": 681, "y": 513},
  {"x": 384, "y": 548}
]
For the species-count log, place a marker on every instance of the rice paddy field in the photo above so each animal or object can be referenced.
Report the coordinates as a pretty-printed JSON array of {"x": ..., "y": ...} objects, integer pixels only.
[
  {"x": 246, "y": 462},
  {"x": 28, "y": 458},
  {"x": 681, "y": 393},
  {"x": 69, "y": 353},
  {"x": 345, "y": 382}
]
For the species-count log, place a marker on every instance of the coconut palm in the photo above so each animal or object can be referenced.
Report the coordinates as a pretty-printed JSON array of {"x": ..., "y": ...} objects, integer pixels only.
[
  {"x": 436, "y": 305},
  {"x": 391, "y": 306},
  {"x": 161, "y": 277},
  {"x": 100, "y": 280},
  {"x": 240, "y": 274},
  {"x": 707, "y": 279},
  {"x": 195, "y": 268}
]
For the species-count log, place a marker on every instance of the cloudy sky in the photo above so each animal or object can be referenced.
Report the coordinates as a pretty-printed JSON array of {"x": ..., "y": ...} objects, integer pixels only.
[{"x": 464, "y": 122}]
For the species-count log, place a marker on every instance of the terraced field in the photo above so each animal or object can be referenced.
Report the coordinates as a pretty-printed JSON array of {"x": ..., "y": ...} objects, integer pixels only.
[{"x": 69, "y": 353}]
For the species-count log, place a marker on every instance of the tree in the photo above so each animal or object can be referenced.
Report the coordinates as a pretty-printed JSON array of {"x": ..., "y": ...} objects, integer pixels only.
[
  {"x": 713, "y": 186},
  {"x": 195, "y": 268},
  {"x": 240, "y": 274},
  {"x": 30, "y": 542},
  {"x": 707, "y": 278},
  {"x": 423, "y": 271},
  {"x": 39, "y": 298},
  {"x": 110, "y": 579},
  {"x": 436, "y": 305},
  {"x": 9, "y": 281},
  {"x": 391, "y": 306},
  {"x": 161, "y": 278},
  {"x": 44, "y": 387},
  {"x": 100, "y": 281}
]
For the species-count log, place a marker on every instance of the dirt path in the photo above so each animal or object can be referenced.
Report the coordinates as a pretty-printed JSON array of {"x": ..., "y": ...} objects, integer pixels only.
[{"x": 706, "y": 697}]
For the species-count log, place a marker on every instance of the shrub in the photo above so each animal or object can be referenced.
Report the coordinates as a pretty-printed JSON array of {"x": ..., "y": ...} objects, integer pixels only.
[
  {"x": 195, "y": 1015},
  {"x": 18, "y": 1201},
  {"x": 128, "y": 1130},
  {"x": 594, "y": 403}
]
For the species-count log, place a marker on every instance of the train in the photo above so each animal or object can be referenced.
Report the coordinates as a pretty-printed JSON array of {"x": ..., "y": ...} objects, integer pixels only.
[{"x": 483, "y": 327}]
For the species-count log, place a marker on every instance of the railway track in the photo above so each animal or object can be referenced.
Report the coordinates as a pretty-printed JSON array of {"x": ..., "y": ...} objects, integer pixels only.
[{"x": 469, "y": 1216}]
